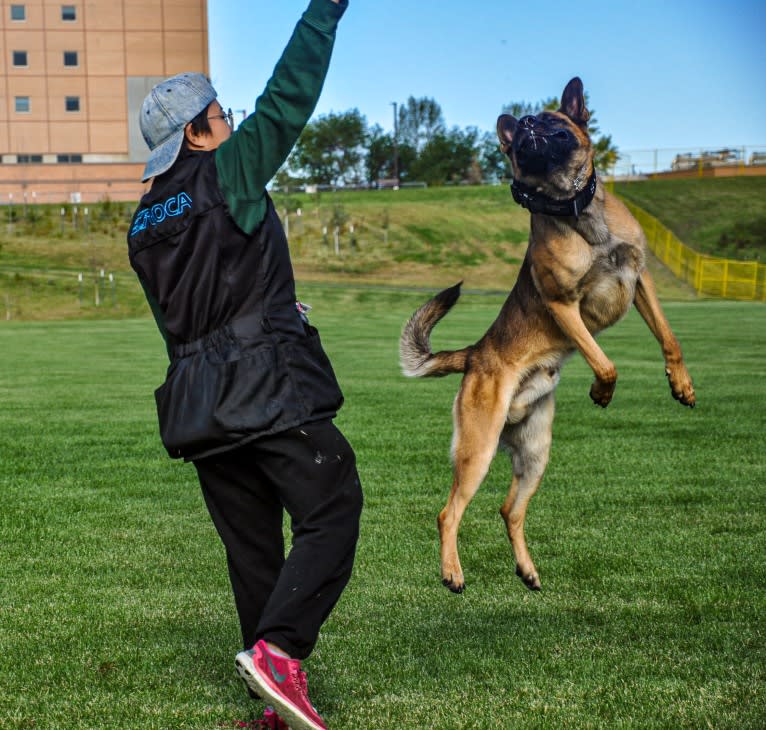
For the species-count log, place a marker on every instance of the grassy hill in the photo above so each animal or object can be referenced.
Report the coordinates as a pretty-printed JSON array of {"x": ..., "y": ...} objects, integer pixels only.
[
  {"x": 718, "y": 216},
  {"x": 407, "y": 238}
]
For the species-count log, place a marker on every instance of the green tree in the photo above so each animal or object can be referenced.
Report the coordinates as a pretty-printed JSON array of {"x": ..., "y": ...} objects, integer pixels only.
[
  {"x": 286, "y": 181},
  {"x": 521, "y": 109},
  {"x": 330, "y": 151},
  {"x": 606, "y": 154},
  {"x": 420, "y": 120},
  {"x": 447, "y": 157},
  {"x": 493, "y": 161},
  {"x": 379, "y": 160}
]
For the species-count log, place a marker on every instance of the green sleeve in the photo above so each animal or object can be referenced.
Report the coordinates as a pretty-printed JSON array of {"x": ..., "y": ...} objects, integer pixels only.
[{"x": 248, "y": 160}]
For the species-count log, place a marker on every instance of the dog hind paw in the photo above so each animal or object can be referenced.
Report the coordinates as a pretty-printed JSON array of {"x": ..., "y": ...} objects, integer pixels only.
[
  {"x": 453, "y": 585},
  {"x": 530, "y": 580}
]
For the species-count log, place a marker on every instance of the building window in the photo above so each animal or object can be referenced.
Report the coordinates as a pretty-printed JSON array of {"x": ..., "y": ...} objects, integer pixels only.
[
  {"x": 18, "y": 12},
  {"x": 68, "y": 158},
  {"x": 72, "y": 103},
  {"x": 20, "y": 58},
  {"x": 26, "y": 159},
  {"x": 68, "y": 12},
  {"x": 70, "y": 58},
  {"x": 22, "y": 104}
]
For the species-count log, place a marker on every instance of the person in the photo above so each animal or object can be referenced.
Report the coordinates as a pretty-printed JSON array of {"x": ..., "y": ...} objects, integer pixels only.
[{"x": 249, "y": 394}]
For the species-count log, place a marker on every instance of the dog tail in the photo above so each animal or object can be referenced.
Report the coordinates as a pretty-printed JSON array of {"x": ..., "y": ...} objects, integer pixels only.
[{"x": 415, "y": 354}]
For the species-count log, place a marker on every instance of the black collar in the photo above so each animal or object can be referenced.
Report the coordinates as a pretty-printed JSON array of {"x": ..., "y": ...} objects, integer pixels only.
[{"x": 534, "y": 201}]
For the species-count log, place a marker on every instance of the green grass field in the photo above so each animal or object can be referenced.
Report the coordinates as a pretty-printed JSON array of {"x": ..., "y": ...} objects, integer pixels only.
[{"x": 648, "y": 533}]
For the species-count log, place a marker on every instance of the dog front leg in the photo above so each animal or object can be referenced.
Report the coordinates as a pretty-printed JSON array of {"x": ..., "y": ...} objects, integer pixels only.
[
  {"x": 648, "y": 304},
  {"x": 567, "y": 316}
]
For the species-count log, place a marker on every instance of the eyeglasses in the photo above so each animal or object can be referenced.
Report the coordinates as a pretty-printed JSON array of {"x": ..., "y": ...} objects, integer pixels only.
[{"x": 228, "y": 118}]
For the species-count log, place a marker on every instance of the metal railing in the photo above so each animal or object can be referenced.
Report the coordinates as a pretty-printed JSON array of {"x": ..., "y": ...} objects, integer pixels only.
[
  {"x": 691, "y": 162},
  {"x": 710, "y": 276}
]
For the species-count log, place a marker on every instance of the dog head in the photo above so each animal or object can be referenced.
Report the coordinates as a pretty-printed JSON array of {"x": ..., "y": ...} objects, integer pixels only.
[{"x": 551, "y": 151}]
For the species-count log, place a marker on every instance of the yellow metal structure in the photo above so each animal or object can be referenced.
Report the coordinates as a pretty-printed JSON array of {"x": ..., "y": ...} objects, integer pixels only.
[{"x": 709, "y": 275}]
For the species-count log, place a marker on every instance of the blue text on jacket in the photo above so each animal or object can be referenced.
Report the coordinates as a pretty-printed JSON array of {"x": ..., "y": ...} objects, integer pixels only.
[{"x": 172, "y": 207}]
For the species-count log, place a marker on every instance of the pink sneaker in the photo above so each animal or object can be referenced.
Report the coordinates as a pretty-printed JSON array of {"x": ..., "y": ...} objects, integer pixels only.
[
  {"x": 269, "y": 721},
  {"x": 272, "y": 721},
  {"x": 281, "y": 682}
]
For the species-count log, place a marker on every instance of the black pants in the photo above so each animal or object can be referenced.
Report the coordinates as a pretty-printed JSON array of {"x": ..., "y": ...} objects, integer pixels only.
[{"x": 309, "y": 471}]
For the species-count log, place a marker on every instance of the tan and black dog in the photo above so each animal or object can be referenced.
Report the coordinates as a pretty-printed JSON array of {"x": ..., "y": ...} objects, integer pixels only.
[{"x": 583, "y": 269}]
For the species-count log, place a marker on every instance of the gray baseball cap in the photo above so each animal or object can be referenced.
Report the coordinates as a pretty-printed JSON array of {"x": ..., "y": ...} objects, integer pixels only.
[{"x": 167, "y": 109}]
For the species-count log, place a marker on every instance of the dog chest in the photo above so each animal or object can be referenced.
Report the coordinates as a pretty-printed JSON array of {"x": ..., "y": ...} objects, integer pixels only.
[{"x": 609, "y": 287}]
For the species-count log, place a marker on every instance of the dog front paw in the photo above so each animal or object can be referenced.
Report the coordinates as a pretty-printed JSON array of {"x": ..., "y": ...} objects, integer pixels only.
[
  {"x": 601, "y": 392},
  {"x": 681, "y": 386}
]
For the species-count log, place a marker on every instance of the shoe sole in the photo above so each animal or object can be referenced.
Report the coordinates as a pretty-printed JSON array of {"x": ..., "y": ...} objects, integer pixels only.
[{"x": 288, "y": 712}]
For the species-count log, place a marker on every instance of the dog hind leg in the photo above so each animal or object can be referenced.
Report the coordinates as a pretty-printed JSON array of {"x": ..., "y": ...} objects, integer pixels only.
[
  {"x": 479, "y": 413},
  {"x": 530, "y": 443}
]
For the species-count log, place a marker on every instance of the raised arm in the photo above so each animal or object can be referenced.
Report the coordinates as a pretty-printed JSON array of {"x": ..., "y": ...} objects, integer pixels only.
[{"x": 255, "y": 152}]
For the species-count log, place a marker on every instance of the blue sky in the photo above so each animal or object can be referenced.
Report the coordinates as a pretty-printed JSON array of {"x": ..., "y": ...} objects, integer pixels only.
[{"x": 672, "y": 74}]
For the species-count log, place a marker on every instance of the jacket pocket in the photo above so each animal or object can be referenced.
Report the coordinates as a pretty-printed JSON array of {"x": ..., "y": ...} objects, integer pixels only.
[
  {"x": 208, "y": 402},
  {"x": 313, "y": 376}
]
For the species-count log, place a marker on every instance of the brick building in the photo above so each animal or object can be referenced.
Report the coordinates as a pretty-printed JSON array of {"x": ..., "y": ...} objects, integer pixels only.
[{"x": 72, "y": 79}]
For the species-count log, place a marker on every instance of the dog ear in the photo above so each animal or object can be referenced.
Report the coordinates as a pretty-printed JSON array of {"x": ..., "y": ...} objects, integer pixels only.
[
  {"x": 506, "y": 127},
  {"x": 573, "y": 103}
]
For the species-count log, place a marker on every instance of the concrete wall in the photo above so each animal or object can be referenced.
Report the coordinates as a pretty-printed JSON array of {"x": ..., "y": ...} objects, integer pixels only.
[{"x": 70, "y": 183}]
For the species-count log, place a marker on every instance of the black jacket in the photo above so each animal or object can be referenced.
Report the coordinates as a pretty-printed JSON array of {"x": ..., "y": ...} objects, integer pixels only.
[{"x": 244, "y": 363}]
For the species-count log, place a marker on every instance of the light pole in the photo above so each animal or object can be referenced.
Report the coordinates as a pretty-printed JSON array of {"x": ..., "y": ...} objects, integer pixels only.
[{"x": 396, "y": 143}]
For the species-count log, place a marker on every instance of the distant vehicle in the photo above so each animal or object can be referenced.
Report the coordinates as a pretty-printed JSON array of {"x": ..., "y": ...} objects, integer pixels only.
[{"x": 758, "y": 158}]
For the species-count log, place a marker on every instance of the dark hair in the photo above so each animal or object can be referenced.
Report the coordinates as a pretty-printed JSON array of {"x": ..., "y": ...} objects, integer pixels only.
[{"x": 199, "y": 125}]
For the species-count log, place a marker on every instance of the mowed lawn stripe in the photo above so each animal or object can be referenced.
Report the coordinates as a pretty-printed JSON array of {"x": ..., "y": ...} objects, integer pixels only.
[{"x": 648, "y": 533}]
